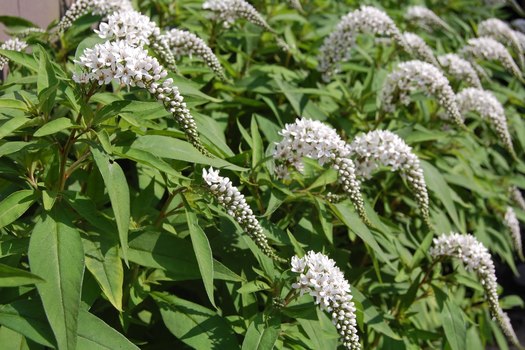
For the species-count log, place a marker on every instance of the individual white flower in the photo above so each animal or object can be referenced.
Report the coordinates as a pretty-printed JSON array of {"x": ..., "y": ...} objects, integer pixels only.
[
  {"x": 512, "y": 223},
  {"x": 11, "y": 45},
  {"x": 235, "y": 204},
  {"x": 419, "y": 76},
  {"x": 425, "y": 18},
  {"x": 489, "y": 49},
  {"x": 322, "y": 279},
  {"x": 487, "y": 106},
  {"x": 336, "y": 47},
  {"x": 501, "y": 31},
  {"x": 97, "y": 7},
  {"x": 183, "y": 43},
  {"x": 137, "y": 30},
  {"x": 308, "y": 138},
  {"x": 460, "y": 69},
  {"x": 419, "y": 48},
  {"x": 476, "y": 257},
  {"x": 384, "y": 148},
  {"x": 517, "y": 197},
  {"x": 132, "y": 66}
]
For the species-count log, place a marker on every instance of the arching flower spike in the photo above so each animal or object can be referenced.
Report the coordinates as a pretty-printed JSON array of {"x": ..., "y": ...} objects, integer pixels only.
[
  {"x": 384, "y": 148},
  {"x": 322, "y": 279}
]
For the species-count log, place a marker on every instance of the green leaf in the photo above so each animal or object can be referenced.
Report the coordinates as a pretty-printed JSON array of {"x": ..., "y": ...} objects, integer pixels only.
[
  {"x": 195, "y": 325},
  {"x": 118, "y": 191},
  {"x": 13, "y": 277},
  {"x": 47, "y": 83},
  {"x": 261, "y": 336},
  {"x": 12, "y": 103},
  {"x": 103, "y": 261},
  {"x": 53, "y": 127},
  {"x": 95, "y": 334},
  {"x": 202, "y": 250},
  {"x": 171, "y": 148},
  {"x": 15, "y": 205},
  {"x": 22, "y": 59},
  {"x": 11, "y": 125},
  {"x": 56, "y": 254},
  {"x": 454, "y": 325},
  {"x": 27, "y": 317},
  {"x": 257, "y": 144}
]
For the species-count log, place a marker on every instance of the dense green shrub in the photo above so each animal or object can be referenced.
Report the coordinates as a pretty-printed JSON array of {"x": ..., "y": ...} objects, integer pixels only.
[{"x": 159, "y": 189}]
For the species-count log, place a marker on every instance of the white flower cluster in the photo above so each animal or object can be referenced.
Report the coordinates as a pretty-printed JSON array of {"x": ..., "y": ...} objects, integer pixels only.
[
  {"x": 308, "y": 138},
  {"x": 132, "y": 66},
  {"x": 419, "y": 48},
  {"x": 502, "y": 32},
  {"x": 235, "y": 204},
  {"x": 460, "y": 69},
  {"x": 336, "y": 47},
  {"x": 97, "y": 7},
  {"x": 487, "y": 106},
  {"x": 521, "y": 39},
  {"x": 424, "y": 18},
  {"x": 417, "y": 75},
  {"x": 182, "y": 42},
  {"x": 322, "y": 279},
  {"x": 12, "y": 45},
  {"x": 228, "y": 11},
  {"x": 384, "y": 148},
  {"x": 489, "y": 49},
  {"x": 476, "y": 257},
  {"x": 512, "y": 223},
  {"x": 137, "y": 30},
  {"x": 28, "y": 31},
  {"x": 517, "y": 197}
]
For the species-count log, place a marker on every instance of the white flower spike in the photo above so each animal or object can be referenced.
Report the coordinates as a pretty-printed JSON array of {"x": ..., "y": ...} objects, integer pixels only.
[
  {"x": 476, "y": 257},
  {"x": 517, "y": 197},
  {"x": 336, "y": 47},
  {"x": 487, "y": 106},
  {"x": 322, "y": 279},
  {"x": 419, "y": 48},
  {"x": 489, "y": 49},
  {"x": 97, "y": 7},
  {"x": 501, "y": 31},
  {"x": 425, "y": 18},
  {"x": 132, "y": 66},
  {"x": 313, "y": 139},
  {"x": 384, "y": 148},
  {"x": 417, "y": 75},
  {"x": 512, "y": 223},
  {"x": 460, "y": 69},
  {"x": 235, "y": 204}
]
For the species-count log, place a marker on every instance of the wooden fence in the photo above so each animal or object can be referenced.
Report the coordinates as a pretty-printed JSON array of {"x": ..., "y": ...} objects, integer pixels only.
[{"x": 40, "y": 12}]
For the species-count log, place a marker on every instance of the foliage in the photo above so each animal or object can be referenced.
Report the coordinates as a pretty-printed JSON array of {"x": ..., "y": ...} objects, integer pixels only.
[{"x": 111, "y": 238}]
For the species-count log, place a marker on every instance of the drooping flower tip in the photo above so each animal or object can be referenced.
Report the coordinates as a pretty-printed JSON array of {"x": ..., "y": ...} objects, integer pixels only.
[
  {"x": 513, "y": 225},
  {"x": 384, "y": 148},
  {"x": 425, "y": 18},
  {"x": 484, "y": 103},
  {"x": 419, "y": 75},
  {"x": 228, "y": 11},
  {"x": 486, "y": 48},
  {"x": 322, "y": 279},
  {"x": 236, "y": 206},
  {"x": 419, "y": 48}
]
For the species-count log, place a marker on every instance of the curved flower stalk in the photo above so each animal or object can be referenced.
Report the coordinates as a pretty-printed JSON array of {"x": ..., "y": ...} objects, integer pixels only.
[
  {"x": 512, "y": 223},
  {"x": 476, "y": 257},
  {"x": 132, "y": 66},
  {"x": 417, "y": 75},
  {"x": 12, "y": 45},
  {"x": 419, "y": 48},
  {"x": 313, "y": 139},
  {"x": 137, "y": 30},
  {"x": 384, "y": 148},
  {"x": 97, "y": 7},
  {"x": 487, "y": 106},
  {"x": 516, "y": 196},
  {"x": 501, "y": 31},
  {"x": 460, "y": 69},
  {"x": 235, "y": 204},
  {"x": 425, "y": 18},
  {"x": 489, "y": 49},
  {"x": 182, "y": 42},
  {"x": 228, "y": 11},
  {"x": 367, "y": 19},
  {"x": 323, "y": 280}
]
